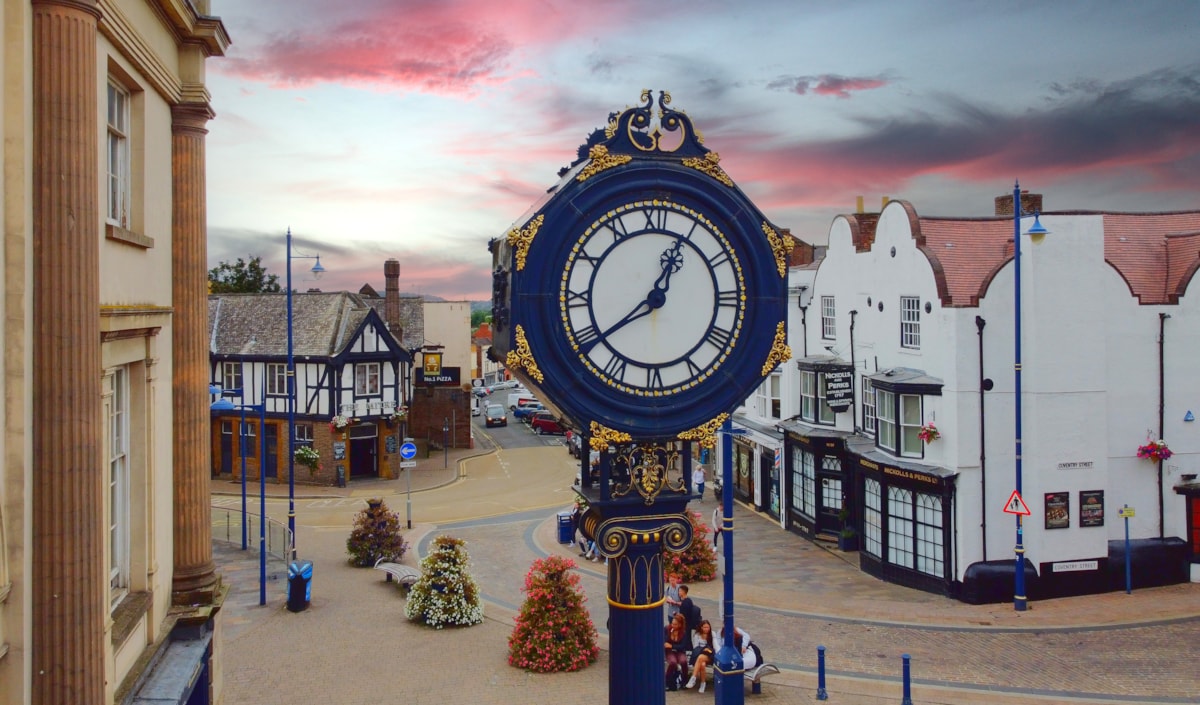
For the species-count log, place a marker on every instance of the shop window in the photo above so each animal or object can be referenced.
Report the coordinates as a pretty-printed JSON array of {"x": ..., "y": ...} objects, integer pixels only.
[
  {"x": 900, "y": 527},
  {"x": 804, "y": 483},
  {"x": 929, "y": 545},
  {"x": 872, "y": 518}
]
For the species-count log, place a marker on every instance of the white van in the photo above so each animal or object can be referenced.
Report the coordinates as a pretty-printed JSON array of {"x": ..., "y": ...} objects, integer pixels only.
[{"x": 520, "y": 397}]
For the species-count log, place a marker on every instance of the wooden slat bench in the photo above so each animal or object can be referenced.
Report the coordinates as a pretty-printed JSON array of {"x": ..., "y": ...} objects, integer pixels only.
[{"x": 403, "y": 574}]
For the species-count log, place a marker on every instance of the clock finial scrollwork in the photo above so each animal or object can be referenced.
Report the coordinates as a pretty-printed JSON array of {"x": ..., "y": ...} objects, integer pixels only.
[
  {"x": 601, "y": 436},
  {"x": 780, "y": 350},
  {"x": 522, "y": 357},
  {"x": 709, "y": 164},
  {"x": 522, "y": 238},
  {"x": 781, "y": 246},
  {"x": 705, "y": 434},
  {"x": 601, "y": 160},
  {"x": 652, "y": 469}
]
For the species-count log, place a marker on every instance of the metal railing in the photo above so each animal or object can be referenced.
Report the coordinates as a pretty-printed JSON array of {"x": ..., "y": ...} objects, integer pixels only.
[{"x": 227, "y": 527}]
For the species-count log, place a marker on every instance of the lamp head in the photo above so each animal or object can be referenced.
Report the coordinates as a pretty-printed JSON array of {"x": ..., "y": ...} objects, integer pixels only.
[
  {"x": 317, "y": 269},
  {"x": 214, "y": 388},
  {"x": 1036, "y": 232},
  {"x": 222, "y": 404}
]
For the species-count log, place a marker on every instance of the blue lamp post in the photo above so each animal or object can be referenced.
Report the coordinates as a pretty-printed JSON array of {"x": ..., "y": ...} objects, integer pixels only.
[
  {"x": 728, "y": 677},
  {"x": 1036, "y": 231},
  {"x": 317, "y": 270},
  {"x": 223, "y": 404}
]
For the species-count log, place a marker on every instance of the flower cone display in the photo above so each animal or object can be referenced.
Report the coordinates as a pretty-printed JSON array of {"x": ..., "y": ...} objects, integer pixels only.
[
  {"x": 445, "y": 595},
  {"x": 697, "y": 564},
  {"x": 554, "y": 631}
]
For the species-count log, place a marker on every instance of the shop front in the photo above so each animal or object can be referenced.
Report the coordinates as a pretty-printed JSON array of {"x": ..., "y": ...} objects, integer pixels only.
[
  {"x": 904, "y": 514},
  {"x": 815, "y": 480},
  {"x": 758, "y": 462}
]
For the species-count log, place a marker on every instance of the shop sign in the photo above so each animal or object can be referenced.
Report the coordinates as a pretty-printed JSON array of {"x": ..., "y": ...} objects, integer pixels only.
[
  {"x": 446, "y": 377},
  {"x": 839, "y": 387},
  {"x": 1091, "y": 508}
]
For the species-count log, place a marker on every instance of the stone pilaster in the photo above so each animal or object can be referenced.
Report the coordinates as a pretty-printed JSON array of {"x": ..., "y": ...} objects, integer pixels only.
[
  {"x": 69, "y": 578},
  {"x": 194, "y": 572}
]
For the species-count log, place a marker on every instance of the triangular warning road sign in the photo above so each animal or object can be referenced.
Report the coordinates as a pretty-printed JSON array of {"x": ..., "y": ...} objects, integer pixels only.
[{"x": 1016, "y": 505}]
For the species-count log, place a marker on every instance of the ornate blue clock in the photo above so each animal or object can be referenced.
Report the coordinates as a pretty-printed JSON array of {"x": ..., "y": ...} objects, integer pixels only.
[{"x": 646, "y": 293}]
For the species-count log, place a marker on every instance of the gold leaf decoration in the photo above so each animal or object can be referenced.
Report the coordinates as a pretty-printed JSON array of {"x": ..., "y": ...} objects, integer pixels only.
[
  {"x": 523, "y": 358},
  {"x": 781, "y": 246},
  {"x": 601, "y": 160},
  {"x": 602, "y": 435},
  {"x": 705, "y": 434},
  {"x": 522, "y": 239},
  {"x": 709, "y": 165},
  {"x": 780, "y": 351}
]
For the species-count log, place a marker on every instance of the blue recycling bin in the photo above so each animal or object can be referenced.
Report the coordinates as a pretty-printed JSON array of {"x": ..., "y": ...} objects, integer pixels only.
[
  {"x": 565, "y": 528},
  {"x": 299, "y": 585}
]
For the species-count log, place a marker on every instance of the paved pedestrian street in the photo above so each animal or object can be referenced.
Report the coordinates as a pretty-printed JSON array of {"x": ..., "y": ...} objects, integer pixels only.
[{"x": 354, "y": 645}]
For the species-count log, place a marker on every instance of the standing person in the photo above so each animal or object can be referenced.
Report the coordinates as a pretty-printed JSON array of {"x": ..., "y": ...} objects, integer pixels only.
[
  {"x": 678, "y": 645},
  {"x": 702, "y": 655},
  {"x": 698, "y": 481},
  {"x": 690, "y": 610},
  {"x": 671, "y": 596},
  {"x": 716, "y": 522}
]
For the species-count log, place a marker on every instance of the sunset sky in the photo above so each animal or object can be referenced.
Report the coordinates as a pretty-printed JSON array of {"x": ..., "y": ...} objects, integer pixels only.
[{"x": 420, "y": 129}]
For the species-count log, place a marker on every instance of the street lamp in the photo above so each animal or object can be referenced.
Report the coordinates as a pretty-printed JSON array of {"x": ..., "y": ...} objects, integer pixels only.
[
  {"x": 224, "y": 404},
  {"x": 1036, "y": 232},
  {"x": 317, "y": 270}
]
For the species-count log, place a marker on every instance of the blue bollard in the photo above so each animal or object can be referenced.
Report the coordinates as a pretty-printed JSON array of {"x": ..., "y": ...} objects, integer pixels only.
[
  {"x": 907, "y": 680},
  {"x": 821, "y": 694}
]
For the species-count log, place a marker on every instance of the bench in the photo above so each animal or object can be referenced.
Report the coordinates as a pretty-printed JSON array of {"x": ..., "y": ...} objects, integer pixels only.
[
  {"x": 754, "y": 676},
  {"x": 404, "y": 575}
]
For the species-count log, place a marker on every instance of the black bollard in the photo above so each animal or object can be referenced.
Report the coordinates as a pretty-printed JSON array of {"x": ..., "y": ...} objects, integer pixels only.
[{"x": 821, "y": 694}]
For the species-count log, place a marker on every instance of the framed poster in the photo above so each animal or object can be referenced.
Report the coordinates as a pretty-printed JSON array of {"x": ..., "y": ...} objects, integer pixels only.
[
  {"x": 1058, "y": 510},
  {"x": 1091, "y": 507},
  {"x": 339, "y": 450},
  {"x": 392, "y": 447}
]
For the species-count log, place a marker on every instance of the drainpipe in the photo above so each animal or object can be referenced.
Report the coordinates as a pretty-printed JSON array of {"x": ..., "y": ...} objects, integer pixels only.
[
  {"x": 853, "y": 376},
  {"x": 803, "y": 319},
  {"x": 1162, "y": 325},
  {"x": 979, "y": 324}
]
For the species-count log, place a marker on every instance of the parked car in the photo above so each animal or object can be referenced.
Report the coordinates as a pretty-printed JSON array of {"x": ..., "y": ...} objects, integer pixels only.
[
  {"x": 506, "y": 384},
  {"x": 524, "y": 411},
  {"x": 520, "y": 397},
  {"x": 544, "y": 422},
  {"x": 495, "y": 415}
]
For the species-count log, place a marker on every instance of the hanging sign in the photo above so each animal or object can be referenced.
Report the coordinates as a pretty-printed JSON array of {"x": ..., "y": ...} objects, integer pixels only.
[{"x": 839, "y": 387}]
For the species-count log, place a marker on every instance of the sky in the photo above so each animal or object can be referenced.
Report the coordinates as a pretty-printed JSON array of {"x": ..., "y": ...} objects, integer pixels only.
[{"x": 421, "y": 129}]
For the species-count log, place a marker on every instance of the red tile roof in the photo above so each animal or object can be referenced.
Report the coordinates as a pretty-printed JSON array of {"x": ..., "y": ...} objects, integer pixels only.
[{"x": 1158, "y": 254}]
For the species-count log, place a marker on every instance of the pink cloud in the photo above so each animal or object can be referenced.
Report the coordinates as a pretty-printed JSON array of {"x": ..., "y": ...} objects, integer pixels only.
[{"x": 827, "y": 84}]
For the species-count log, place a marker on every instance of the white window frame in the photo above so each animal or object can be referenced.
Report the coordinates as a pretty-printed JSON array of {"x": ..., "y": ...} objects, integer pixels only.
[
  {"x": 868, "y": 405},
  {"x": 828, "y": 318},
  {"x": 367, "y": 379},
  {"x": 826, "y": 416},
  {"x": 872, "y": 518},
  {"x": 909, "y": 425},
  {"x": 910, "y": 322},
  {"x": 768, "y": 400},
  {"x": 118, "y": 484},
  {"x": 277, "y": 379},
  {"x": 900, "y": 527},
  {"x": 886, "y": 430},
  {"x": 808, "y": 395},
  {"x": 231, "y": 376},
  {"x": 120, "y": 174}
]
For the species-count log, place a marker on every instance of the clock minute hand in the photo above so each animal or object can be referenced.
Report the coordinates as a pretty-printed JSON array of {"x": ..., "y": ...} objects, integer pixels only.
[{"x": 642, "y": 309}]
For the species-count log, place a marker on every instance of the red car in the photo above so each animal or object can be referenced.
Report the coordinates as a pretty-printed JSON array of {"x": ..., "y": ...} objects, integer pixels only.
[{"x": 543, "y": 422}]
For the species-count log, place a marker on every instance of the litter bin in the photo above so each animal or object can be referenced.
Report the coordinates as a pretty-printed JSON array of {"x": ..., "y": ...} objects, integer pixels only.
[
  {"x": 299, "y": 585},
  {"x": 565, "y": 529}
]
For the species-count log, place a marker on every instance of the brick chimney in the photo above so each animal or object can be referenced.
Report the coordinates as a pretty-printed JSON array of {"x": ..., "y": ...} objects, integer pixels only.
[
  {"x": 391, "y": 298},
  {"x": 1030, "y": 203}
]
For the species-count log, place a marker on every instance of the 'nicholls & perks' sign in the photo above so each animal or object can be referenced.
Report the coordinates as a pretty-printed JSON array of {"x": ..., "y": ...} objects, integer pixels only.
[{"x": 839, "y": 387}]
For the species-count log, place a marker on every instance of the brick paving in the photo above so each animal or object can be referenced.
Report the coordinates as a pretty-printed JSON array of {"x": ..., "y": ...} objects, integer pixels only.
[{"x": 354, "y": 645}]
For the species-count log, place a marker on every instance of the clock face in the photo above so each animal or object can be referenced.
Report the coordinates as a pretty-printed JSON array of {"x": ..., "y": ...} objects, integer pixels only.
[{"x": 652, "y": 298}]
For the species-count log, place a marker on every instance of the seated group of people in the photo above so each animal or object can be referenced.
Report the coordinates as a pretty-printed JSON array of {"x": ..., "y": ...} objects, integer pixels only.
[{"x": 691, "y": 644}]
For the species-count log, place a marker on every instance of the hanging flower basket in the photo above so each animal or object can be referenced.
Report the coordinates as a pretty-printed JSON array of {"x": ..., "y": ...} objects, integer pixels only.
[
  {"x": 400, "y": 414},
  {"x": 339, "y": 422},
  {"x": 1154, "y": 450},
  {"x": 309, "y": 458},
  {"x": 929, "y": 433}
]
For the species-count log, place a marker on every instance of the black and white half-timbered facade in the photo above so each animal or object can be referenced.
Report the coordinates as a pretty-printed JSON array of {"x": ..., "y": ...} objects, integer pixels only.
[{"x": 352, "y": 387}]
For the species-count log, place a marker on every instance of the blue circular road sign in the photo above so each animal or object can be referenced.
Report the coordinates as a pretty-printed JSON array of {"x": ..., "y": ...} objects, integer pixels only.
[{"x": 408, "y": 451}]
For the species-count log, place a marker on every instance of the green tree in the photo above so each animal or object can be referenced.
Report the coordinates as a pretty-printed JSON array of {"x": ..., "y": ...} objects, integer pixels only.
[
  {"x": 479, "y": 316},
  {"x": 242, "y": 277}
]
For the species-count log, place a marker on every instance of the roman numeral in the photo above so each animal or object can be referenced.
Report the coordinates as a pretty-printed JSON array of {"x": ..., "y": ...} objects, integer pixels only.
[
  {"x": 577, "y": 299},
  {"x": 719, "y": 337},
  {"x": 693, "y": 369},
  {"x": 654, "y": 378},
  {"x": 719, "y": 260},
  {"x": 587, "y": 338},
  {"x": 615, "y": 368},
  {"x": 728, "y": 298},
  {"x": 656, "y": 218},
  {"x": 617, "y": 226}
]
